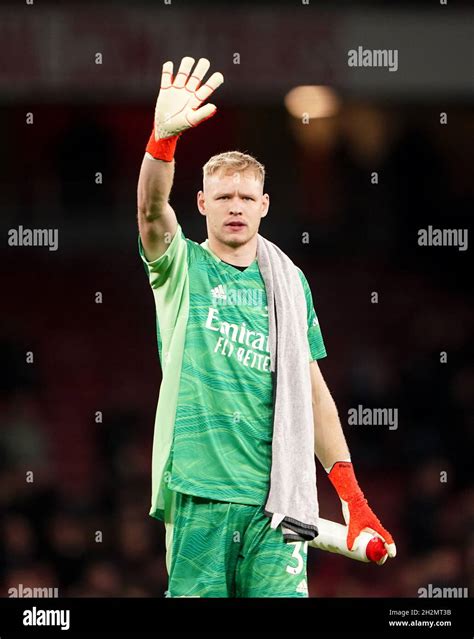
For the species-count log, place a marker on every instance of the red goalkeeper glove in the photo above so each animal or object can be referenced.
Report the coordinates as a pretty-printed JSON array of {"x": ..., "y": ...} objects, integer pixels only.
[
  {"x": 177, "y": 105},
  {"x": 355, "y": 509}
]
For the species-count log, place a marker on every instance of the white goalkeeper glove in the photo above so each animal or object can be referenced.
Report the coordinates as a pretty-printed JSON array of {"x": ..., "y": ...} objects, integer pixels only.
[{"x": 178, "y": 104}]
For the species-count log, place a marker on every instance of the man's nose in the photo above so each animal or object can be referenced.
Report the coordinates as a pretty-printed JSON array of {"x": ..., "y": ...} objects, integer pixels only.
[{"x": 236, "y": 203}]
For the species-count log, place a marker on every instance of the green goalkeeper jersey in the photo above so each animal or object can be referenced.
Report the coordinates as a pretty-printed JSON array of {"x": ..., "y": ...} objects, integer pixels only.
[{"x": 214, "y": 419}]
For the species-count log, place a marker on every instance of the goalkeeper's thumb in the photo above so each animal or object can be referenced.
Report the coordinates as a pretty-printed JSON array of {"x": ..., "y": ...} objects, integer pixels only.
[{"x": 200, "y": 115}]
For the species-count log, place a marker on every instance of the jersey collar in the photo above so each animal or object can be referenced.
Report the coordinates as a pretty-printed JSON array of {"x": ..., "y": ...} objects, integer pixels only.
[{"x": 205, "y": 245}]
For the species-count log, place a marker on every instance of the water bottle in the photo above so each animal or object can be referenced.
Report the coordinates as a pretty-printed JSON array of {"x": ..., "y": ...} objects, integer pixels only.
[{"x": 332, "y": 537}]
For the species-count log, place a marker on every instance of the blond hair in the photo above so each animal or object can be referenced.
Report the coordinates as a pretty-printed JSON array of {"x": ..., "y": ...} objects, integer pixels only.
[{"x": 233, "y": 161}]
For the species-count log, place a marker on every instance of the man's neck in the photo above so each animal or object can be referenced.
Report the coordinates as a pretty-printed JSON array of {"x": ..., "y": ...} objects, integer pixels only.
[{"x": 240, "y": 256}]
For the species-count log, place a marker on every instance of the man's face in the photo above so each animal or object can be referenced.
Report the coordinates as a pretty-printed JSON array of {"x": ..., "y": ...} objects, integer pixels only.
[{"x": 233, "y": 204}]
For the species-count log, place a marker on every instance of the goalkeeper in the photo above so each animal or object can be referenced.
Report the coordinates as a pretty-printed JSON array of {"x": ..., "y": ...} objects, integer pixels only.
[{"x": 213, "y": 430}]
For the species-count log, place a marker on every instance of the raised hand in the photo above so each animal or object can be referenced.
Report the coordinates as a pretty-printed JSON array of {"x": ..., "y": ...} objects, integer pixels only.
[{"x": 178, "y": 106}]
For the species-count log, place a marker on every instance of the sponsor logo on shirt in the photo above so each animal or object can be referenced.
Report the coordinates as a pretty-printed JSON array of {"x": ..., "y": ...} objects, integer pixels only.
[{"x": 249, "y": 347}]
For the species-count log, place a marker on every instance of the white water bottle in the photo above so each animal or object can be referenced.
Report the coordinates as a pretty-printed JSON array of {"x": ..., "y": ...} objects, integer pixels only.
[{"x": 332, "y": 537}]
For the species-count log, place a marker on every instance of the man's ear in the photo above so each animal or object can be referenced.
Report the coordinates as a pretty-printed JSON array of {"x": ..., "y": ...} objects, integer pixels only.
[
  {"x": 201, "y": 202},
  {"x": 265, "y": 208}
]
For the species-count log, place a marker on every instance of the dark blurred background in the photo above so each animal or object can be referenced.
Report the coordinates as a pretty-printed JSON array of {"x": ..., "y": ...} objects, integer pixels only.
[{"x": 75, "y": 486}]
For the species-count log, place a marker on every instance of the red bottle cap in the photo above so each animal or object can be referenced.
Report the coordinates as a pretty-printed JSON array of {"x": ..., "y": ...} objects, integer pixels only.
[{"x": 375, "y": 549}]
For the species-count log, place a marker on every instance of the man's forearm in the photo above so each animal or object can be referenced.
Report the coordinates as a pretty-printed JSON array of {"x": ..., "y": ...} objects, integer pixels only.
[
  {"x": 330, "y": 447},
  {"x": 329, "y": 442},
  {"x": 154, "y": 186}
]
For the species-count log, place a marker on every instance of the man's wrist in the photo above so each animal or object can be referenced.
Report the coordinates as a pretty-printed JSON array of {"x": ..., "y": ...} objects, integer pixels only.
[
  {"x": 162, "y": 149},
  {"x": 344, "y": 459},
  {"x": 344, "y": 481}
]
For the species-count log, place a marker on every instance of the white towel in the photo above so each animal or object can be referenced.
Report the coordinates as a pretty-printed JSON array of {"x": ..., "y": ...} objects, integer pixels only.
[{"x": 292, "y": 500}]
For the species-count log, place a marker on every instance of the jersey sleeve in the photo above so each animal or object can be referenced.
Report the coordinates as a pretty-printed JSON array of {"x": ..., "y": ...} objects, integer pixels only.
[
  {"x": 315, "y": 338},
  {"x": 169, "y": 267}
]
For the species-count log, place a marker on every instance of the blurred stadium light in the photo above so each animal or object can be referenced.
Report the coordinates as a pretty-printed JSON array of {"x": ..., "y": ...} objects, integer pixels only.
[{"x": 312, "y": 102}]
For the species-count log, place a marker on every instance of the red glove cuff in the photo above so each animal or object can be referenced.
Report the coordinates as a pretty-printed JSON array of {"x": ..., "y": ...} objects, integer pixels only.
[
  {"x": 344, "y": 481},
  {"x": 162, "y": 149}
]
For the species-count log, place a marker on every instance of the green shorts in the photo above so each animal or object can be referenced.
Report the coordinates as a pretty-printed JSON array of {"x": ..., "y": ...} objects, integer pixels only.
[{"x": 221, "y": 549}]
